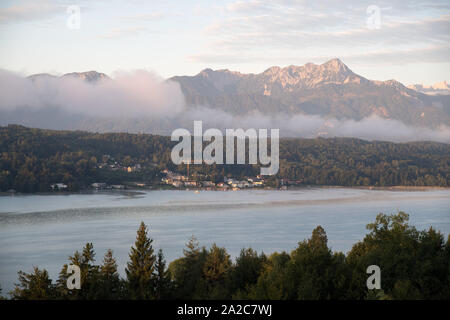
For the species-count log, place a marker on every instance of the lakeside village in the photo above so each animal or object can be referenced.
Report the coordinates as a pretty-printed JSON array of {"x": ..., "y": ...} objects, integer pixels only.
[
  {"x": 172, "y": 180},
  {"x": 181, "y": 181}
]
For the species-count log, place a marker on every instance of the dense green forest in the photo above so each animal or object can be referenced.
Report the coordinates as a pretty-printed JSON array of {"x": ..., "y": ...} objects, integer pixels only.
[
  {"x": 32, "y": 159},
  {"x": 414, "y": 265}
]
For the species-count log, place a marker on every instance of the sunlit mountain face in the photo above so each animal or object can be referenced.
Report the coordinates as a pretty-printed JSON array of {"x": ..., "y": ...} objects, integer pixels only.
[
  {"x": 330, "y": 90},
  {"x": 304, "y": 101}
]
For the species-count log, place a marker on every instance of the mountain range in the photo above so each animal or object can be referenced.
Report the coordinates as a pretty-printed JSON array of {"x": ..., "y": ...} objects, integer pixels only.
[
  {"x": 329, "y": 90},
  {"x": 327, "y": 99},
  {"x": 89, "y": 76},
  {"x": 440, "y": 88}
]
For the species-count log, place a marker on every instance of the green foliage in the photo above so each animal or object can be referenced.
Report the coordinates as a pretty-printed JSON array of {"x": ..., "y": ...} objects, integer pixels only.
[
  {"x": 111, "y": 286},
  {"x": 90, "y": 275},
  {"x": 32, "y": 159},
  {"x": 310, "y": 272},
  {"x": 163, "y": 285},
  {"x": 187, "y": 272},
  {"x": 34, "y": 286},
  {"x": 273, "y": 279},
  {"x": 246, "y": 271},
  {"x": 215, "y": 269},
  {"x": 414, "y": 265},
  {"x": 312, "y": 269},
  {"x": 141, "y": 267}
]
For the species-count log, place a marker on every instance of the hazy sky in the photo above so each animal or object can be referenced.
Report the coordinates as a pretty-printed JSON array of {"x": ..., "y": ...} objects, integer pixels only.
[{"x": 411, "y": 42}]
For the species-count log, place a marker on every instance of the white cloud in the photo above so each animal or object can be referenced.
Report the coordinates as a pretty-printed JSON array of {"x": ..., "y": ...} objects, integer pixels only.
[
  {"x": 140, "y": 101},
  {"x": 258, "y": 28},
  {"x": 30, "y": 11},
  {"x": 130, "y": 94},
  {"x": 310, "y": 126},
  {"x": 123, "y": 32},
  {"x": 143, "y": 16}
]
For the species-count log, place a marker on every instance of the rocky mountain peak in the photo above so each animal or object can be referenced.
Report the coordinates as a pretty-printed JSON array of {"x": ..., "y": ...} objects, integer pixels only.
[
  {"x": 272, "y": 70},
  {"x": 90, "y": 76},
  {"x": 219, "y": 78},
  {"x": 206, "y": 72},
  {"x": 311, "y": 75},
  {"x": 440, "y": 88},
  {"x": 335, "y": 65}
]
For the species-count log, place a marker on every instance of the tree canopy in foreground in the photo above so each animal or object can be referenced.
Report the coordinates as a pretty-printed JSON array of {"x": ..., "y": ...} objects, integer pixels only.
[{"x": 414, "y": 265}]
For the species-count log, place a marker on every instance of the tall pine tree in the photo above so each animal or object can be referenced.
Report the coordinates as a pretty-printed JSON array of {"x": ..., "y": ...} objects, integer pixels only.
[
  {"x": 111, "y": 285},
  {"x": 162, "y": 279},
  {"x": 36, "y": 285},
  {"x": 141, "y": 267},
  {"x": 89, "y": 275}
]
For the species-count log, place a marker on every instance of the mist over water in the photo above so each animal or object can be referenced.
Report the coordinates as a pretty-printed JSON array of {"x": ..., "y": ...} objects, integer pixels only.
[{"x": 43, "y": 230}]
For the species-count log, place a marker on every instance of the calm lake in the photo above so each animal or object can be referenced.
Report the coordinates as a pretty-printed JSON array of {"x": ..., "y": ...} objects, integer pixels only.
[{"x": 43, "y": 230}]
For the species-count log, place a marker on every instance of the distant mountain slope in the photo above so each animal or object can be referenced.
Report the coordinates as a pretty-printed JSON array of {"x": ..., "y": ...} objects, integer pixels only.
[
  {"x": 440, "y": 88},
  {"x": 329, "y": 90},
  {"x": 90, "y": 76},
  {"x": 302, "y": 100}
]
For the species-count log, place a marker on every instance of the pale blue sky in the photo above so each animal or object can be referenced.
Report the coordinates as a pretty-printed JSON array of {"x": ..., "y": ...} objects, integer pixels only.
[{"x": 171, "y": 38}]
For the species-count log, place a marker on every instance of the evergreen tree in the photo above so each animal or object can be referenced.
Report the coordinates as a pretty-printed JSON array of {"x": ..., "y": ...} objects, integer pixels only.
[
  {"x": 89, "y": 275},
  {"x": 414, "y": 265},
  {"x": 109, "y": 267},
  {"x": 313, "y": 269},
  {"x": 110, "y": 283},
  {"x": 272, "y": 281},
  {"x": 162, "y": 279},
  {"x": 34, "y": 286},
  {"x": 246, "y": 271},
  {"x": 187, "y": 271},
  {"x": 215, "y": 269},
  {"x": 141, "y": 267}
]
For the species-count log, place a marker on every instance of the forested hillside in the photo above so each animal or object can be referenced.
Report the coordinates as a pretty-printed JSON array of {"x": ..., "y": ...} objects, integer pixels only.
[{"x": 32, "y": 159}]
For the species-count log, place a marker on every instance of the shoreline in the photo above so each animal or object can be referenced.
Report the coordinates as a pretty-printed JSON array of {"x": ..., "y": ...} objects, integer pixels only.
[
  {"x": 390, "y": 188},
  {"x": 134, "y": 192}
]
